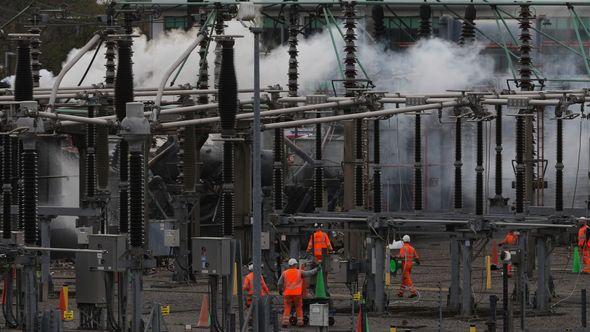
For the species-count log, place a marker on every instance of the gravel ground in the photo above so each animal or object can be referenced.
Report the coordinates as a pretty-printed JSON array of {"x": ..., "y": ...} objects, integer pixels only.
[{"x": 418, "y": 314}]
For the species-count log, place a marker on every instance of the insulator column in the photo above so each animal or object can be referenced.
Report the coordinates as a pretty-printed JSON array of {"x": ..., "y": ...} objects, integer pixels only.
[
  {"x": 228, "y": 106},
  {"x": 90, "y": 156},
  {"x": 378, "y": 22},
  {"x": 23, "y": 81},
  {"x": 123, "y": 94},
  {"x": 559, "y": 167},
  {"x": 30, "y": 195},
  {"x": 350, "y": 84},
  {"x": 16, "y": 171},
  {"x": 110, "y": 44},
  {"x": 498, "y": 200},
  {"x": 479, "y": 202},
  {"x": 6, "y": 187},
  {"x": 377, "y": 167},
  {"x": 458, "y": 192},
  {"x": 425, "y": 29},
  {"x": 418, "y": 185},
  {"x": 203, "y": 79},
  {"x": 522, "y": 145},
  {"x": 468, "y": 28},
  {"x": 136, "y": 199},
  {"x": 35, "y": 48}
]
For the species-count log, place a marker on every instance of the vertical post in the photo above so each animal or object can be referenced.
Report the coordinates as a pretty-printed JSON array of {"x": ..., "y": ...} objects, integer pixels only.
[
  {"x": 466, "y": 300},
  {"x": 542, "y": 277},
  {"x": 492, "y": 319},
  {"x": 379, "y": 275},
  {"x": 458, "y": 193},
  {"x": 256, "y": 186},
  {"x": 455, "y": 288},
  {"x": 46, "y": 258},
  {"x": 583, "y": 307},
  {"x": 479, "y": 207},
  {"x": 505, "y": 299}
]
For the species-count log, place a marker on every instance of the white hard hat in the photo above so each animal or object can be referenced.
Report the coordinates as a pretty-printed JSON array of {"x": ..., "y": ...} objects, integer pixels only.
[
  {"x": 292, "y": 262},
  {"x": 251, "y": 267},
  {"x": 406, "y": 238},
  {"x": 583, "y": 219},
  {"x": 516, "y": 233}
]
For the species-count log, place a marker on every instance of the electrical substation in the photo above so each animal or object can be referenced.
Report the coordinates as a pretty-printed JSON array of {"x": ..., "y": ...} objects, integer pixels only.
[{"x": 372, "y": 200}]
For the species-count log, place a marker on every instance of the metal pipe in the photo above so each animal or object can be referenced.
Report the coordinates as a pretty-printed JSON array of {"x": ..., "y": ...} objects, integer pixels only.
[
  {"x": 67, "y": 68},
  {"x": 83, "y": 251},
  {"x": 170, "y": 70},
  {"x": 275, "y": 112},
  {"x": 583, "y": 308},
  {"x": 361, "y": 115},
  {"x": 77, "y": 119}
]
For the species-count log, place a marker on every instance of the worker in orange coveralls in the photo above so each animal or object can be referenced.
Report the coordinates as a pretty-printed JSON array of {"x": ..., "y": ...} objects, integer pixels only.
[
  {"x": 584, "y": 243},
  {"x": 407, "y": 255},
  {"x": 248, "y": 286},
  {"x": 318, "y": 242},
  {"x": 290, "y": 285},
  {"x": 511, "y": 239}
]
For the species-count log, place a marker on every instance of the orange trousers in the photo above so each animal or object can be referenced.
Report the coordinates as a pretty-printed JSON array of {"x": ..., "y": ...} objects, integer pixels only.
[
  {"x": 586, "y": 259},
  {"x": 290, "y": 301},
  {"x": 407, "y": 284}
]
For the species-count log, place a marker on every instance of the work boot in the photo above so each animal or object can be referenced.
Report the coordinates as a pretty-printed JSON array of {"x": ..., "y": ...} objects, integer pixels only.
[
  {"x": 300, "y": 322},
  {"x": 400, "y": 294},
  {"x": 413, "y": 295}
]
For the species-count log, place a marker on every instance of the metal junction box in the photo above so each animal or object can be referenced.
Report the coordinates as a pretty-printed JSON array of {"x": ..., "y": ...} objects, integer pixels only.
[
  {"x": 113, "y": 260},
  {"x": 162, "y": 237},
  {"x": 211, "y": 255},
  {"x": 319, "y": 314}
]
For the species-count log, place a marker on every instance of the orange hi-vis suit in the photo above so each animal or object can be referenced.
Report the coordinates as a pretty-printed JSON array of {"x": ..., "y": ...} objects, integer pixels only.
[
  {"x": 584, "y": 244},
  {"x": 319, "y": 241},
  {"x": 292, "y": 280},
  {"x": 510, "y": 239},
  {"x": 248, "y": 287},
  {"x": 407, "y": 254}
]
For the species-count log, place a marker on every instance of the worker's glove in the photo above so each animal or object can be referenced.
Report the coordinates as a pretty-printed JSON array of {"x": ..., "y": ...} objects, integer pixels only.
[{"x": 417, "y": 261}]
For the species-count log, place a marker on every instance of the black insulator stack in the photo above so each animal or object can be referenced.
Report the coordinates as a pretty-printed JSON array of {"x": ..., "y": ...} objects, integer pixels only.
[
  {"x": 35, "y": 49},
  {"x": 23, "y": 81},
  {"x": 559, "y": 167},
  {"x": 186, "y": 155},
  {"x": 203, "y": 79},
  {"x": 479, "y": 170},
  {"x": 377, "y": 169},
  {"x": 418, "y": 186},
  {"x": 16, "y": 173},
  {"x": 318, "y": 179},
  {"x": 425, "y": 29},
  {"x": 101, "y": 153},
  {"x": 228, "y": 106},
  {"x": 277, "y": 177},
  {"x": 458, "y": 193},
  {"x": 350, "y": 47},
  {"x": 228, "y": 88},
  {"x": 110, "y": 48},
  {"x": 498, "y": 181},
  {"x": 90, "y": 156},
  {"x": 520, "y": 148},
  {"x": 359, "y": 188},
  {"x": 123, "y": 95},
  {"x": 228, "y": 197},
  {"x": 525, "y": 70},
  {"x": 30, "y": 195},
  {"x": 468, "y": 28},
  {"x": 136, "y": 199},
  {"x": 378, "y": 22},
  {"x": 293, "y": 73},
  {"x": 6, "y": 192}
]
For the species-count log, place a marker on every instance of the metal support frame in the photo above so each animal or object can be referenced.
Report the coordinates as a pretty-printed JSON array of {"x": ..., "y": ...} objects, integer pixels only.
[{"x": 466, "y": 292}]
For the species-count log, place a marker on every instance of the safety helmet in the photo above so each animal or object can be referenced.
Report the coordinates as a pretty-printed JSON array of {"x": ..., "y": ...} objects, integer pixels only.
[
  {"x": 516, "y": 233},
  {"x": 292, "y": 262},
  {"x": 251, "y": 267},
  {"x": 406, "y": 238},
  {"x": 583, "y": 219}
]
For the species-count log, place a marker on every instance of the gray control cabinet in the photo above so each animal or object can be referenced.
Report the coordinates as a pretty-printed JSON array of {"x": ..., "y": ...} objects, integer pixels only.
[
  {"x": 113, "y": 260},
  {"x": 90, "y": 285},
  {"x": 211, "y": 255}
]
